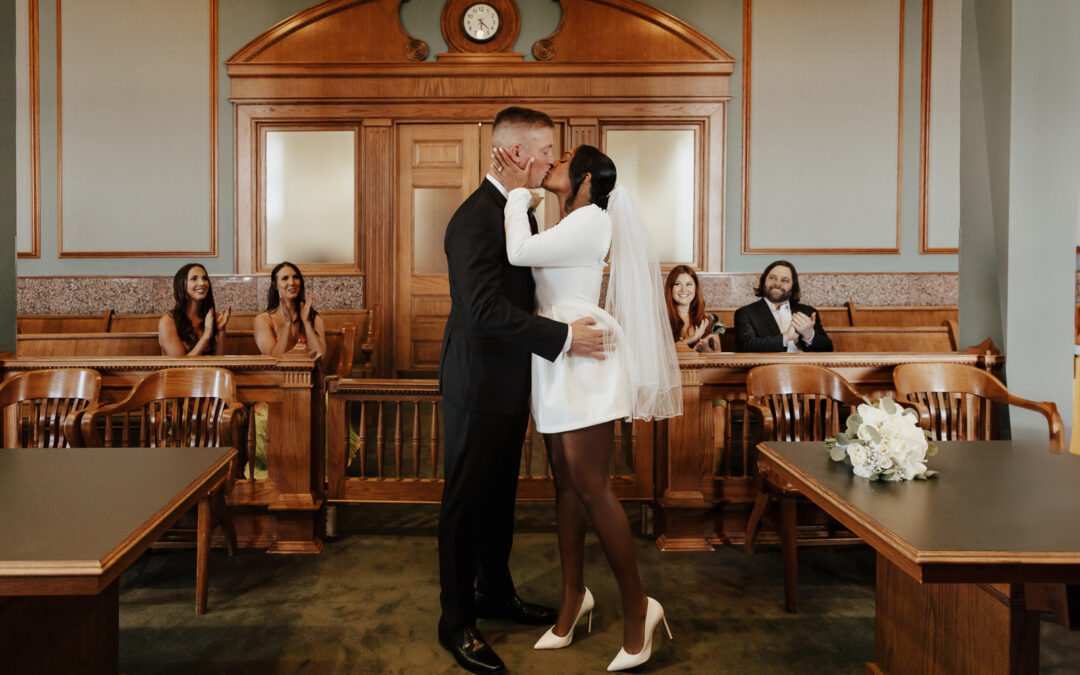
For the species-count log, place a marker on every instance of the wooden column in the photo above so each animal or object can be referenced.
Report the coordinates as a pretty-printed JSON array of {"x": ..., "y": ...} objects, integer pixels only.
[
  {"x": 295, "y": 463},
  {"x": 684, "y": 474},
  {"x": 377, "y": 234}
]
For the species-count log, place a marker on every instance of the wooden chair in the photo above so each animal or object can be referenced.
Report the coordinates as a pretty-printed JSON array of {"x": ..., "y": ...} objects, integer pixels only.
[
  {"x": 796, "y": 402},
  {"x": 42, "y": 408},
  {"x": 180, "y": 407},
  {"x": 962, "y": 401}
]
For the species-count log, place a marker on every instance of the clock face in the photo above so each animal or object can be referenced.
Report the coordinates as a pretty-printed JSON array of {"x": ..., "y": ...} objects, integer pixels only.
[{"x": 481, "y": 22}]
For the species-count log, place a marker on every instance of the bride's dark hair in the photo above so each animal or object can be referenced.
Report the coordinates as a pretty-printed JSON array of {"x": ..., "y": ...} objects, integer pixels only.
[{"x": 589, "y": 160}]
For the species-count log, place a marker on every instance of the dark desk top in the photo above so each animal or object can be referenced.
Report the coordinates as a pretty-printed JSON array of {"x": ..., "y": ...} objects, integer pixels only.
[
  {"x": 994, "y": 504},
  {"x": 79, "y": 512}
]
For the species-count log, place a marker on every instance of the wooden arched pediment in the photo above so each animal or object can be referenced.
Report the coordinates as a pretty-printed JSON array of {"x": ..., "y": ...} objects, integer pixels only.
[
  {"x": 337, "y": 32},
  {"x": 624, "y": 31}
]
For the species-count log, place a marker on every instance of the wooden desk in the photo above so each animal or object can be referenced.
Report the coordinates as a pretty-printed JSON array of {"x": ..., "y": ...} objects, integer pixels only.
[
  {"x": 955, "y": 552},
  {"x": 71, "y": 520}
]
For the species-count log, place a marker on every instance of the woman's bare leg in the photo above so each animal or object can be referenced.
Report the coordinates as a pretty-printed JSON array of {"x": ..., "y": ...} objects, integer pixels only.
[
  {"x": 581, "y": 458},
  {"x": 570, "y": 518}
]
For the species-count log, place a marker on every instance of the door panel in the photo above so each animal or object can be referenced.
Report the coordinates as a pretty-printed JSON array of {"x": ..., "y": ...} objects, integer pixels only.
[{"x": 438, "y": 167}]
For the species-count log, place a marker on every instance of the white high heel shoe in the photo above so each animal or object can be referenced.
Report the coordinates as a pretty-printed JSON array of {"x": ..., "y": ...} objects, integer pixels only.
[
  {"x": 654, "y": 615},
  {"x": 550, "y": 640}
]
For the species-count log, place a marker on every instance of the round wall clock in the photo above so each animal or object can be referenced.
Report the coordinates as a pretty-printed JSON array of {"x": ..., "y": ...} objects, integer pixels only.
[
  {"x": 479, "y": 28},
  {"x": 481, "y": 22}
]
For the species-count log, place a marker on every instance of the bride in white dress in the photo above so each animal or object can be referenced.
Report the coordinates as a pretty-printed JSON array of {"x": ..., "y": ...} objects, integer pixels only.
[{"x": 576, "y": 400}]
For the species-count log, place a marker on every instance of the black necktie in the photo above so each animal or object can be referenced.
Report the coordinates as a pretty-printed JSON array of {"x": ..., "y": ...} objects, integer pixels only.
[{"x": 532, "y": 222}]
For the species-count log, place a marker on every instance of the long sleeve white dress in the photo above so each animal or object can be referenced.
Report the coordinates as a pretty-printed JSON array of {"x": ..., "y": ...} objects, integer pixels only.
[{"x": 567, "y": 260}]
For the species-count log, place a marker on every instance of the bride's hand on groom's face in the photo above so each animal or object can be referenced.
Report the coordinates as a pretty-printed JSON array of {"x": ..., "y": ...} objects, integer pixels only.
[{"x": 510, "y": 174}]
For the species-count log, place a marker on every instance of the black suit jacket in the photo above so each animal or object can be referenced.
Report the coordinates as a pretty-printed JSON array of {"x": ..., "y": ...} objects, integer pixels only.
[
  {"x": 756, "y": 330},
  {"x": 485, "y": 363}
]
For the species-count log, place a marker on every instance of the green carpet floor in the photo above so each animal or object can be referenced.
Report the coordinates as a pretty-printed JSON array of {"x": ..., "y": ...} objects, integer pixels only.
[{"x": 369, "y": 604}]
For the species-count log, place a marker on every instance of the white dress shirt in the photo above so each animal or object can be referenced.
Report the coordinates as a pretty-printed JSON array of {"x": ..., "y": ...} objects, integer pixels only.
[{"x": 782, "y": 315}]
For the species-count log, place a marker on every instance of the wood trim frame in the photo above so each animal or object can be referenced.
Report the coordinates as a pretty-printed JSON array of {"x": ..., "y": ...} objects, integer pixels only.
[
  {"x": 702, "y": 182},
  {"x": 924, "y": 130},
  {"x": 212, "y": 250},
  {"x": 35, "y": 132},
  {"x": 745, "y": 222},
  {"x": 262, "y": 266}
]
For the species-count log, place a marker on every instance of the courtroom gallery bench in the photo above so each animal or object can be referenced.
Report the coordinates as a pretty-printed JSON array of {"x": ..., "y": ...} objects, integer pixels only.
[{"x": 241, "y": 323}]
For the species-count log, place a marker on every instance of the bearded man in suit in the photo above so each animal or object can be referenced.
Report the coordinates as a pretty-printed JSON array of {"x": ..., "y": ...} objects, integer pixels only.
[
  {"x": 778, "y": 322},
  {"x": 484, "y": 379}
]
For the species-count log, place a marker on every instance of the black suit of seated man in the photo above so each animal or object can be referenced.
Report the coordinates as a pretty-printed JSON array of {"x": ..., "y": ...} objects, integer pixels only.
[
  {"x": 758, "y": 328},
  {"x": 485, "y": 380}
]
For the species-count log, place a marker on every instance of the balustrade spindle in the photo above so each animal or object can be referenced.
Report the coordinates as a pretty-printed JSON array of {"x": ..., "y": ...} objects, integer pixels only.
[
  {"x": 398, "y": 440},
  {"x": 434, "y": 440},
  {"x": 416, "y": 440},
  {"x": 361, "y": 440},
  {"x": 379, "y": 443}
]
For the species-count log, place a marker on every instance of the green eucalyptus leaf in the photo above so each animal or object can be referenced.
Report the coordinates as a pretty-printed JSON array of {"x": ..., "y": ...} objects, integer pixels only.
[
  {"x": 842, "y": 439},
  {"x": 874, "y": 435},
  {"x": 888, "y": 405},
  {"x": 931, "y": 449},
  {"x": 837, "y": 453},
  {"x": 868, "y": 401}
]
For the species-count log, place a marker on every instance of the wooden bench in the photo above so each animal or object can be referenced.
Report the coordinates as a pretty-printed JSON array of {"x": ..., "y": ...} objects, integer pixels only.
[
  {"x": 880, "y": 339},
  {"x": 64, "y": 323},
  {"x": 913, "y": 316},
  {"x": 241, "y": 324},
  {"x": 337, "y": 361}
]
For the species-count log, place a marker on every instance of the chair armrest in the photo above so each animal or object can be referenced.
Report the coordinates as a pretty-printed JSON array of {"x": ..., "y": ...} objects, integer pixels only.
[
  {"x": 768, "y": 424},
  {"x": 72, "y": 425},
  {"x": 1047, "y": 409}
]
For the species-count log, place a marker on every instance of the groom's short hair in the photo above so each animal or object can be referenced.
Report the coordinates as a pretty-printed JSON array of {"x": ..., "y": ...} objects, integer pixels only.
[{"x": 514, "y": 119}]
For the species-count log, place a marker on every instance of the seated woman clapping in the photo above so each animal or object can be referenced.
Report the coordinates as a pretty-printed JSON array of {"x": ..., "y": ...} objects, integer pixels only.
[
  {"x": 193, "y": 328},
  {"x": 290, "y": 315},
  {"x": 686, "y": 311}
]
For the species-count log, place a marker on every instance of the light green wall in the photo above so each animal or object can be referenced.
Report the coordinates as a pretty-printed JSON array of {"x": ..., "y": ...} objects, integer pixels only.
[
  {"x": 239, "y": 21},
  {"x": 7, "y": 175}
]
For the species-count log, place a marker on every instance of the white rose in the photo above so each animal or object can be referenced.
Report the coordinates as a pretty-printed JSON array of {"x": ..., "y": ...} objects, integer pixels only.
[
  {"x": 872, "y": 415},
  {"x": 857, "y": 454}
]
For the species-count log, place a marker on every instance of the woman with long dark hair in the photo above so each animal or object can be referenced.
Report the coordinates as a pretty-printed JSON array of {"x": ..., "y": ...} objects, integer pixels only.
[
  {"x": 290, "y": 315},
  {"x": 576, "y": 400},
  {"x": 192, "y": 328},
  {"x": 690, "y": 324}
]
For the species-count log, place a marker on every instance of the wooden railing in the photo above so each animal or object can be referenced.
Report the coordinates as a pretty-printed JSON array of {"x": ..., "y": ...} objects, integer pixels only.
[
  {"x": 384, "y": 443},
  {"x": 281, "y": 510}
]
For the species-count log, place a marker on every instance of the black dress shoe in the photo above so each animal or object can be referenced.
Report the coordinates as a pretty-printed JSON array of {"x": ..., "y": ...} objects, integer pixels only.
[
  {"x": 470, "y": 650},
  {"x": 515, "y": 609}
]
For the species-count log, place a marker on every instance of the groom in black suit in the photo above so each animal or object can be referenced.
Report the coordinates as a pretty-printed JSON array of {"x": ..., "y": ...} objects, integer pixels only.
[
  {"x": 484, "y": 378},
  {"x": 778, "y": 322}
]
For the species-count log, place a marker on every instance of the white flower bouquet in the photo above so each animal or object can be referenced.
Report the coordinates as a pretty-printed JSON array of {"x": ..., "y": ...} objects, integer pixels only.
[{"x": 883, "y": 441}]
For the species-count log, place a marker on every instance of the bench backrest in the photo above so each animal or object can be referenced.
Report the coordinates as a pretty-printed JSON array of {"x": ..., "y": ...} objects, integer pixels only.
[{"x": 337, "y": 361}]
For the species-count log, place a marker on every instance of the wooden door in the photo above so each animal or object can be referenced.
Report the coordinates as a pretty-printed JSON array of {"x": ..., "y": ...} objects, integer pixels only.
[{"x": 438, "y": 167}]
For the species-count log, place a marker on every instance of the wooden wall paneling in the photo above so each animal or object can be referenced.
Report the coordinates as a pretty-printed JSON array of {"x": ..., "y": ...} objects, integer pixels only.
[
  {"x": 211, "y": 248},
  {"x": 746, "y": 91},
  {"x": 377, "y": 233},
  {"x": 35, "y": 132}
]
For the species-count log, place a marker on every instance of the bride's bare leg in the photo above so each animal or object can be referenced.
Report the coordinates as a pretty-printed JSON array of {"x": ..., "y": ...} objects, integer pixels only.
[
  {"x": 586, "y": 454},
  {"x": 570, "y": 525}
]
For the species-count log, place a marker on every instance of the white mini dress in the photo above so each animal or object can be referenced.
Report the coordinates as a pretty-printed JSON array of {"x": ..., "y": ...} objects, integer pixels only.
[{"x": 567, "y": 260}]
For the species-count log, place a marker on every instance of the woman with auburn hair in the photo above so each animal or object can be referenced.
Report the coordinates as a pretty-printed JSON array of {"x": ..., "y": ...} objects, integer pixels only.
[
  {"x": 192, "y": 328},
  {"x": 290, "y": 315},
  {"x": 686, "y": 311}
]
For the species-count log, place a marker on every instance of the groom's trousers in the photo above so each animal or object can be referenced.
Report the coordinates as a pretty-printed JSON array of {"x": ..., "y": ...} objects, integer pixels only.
[{"x": 481, "y": 460}]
